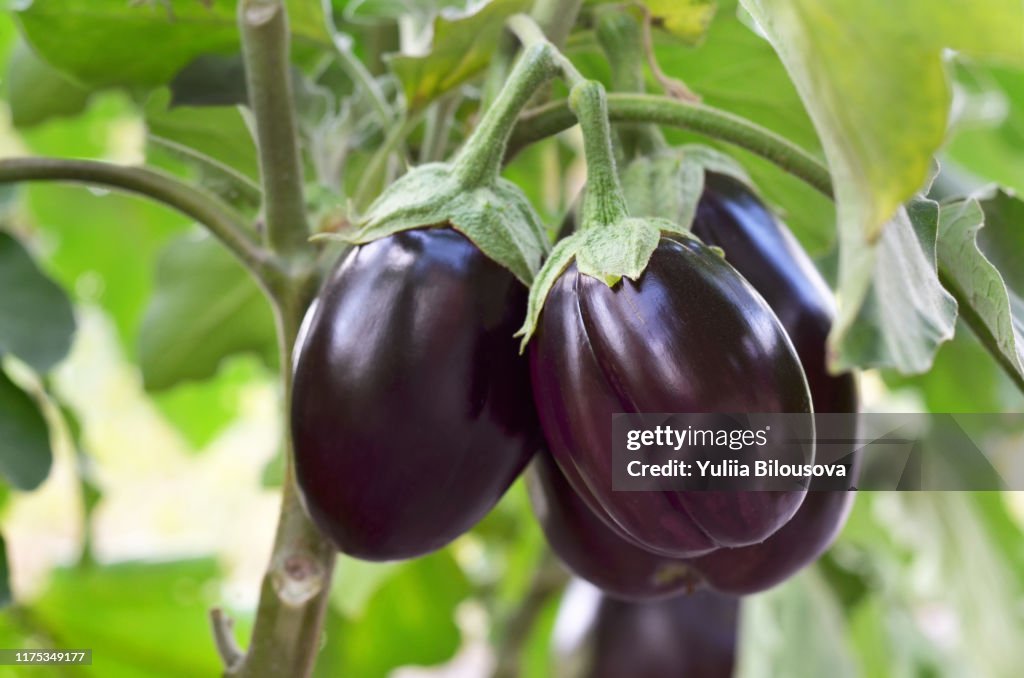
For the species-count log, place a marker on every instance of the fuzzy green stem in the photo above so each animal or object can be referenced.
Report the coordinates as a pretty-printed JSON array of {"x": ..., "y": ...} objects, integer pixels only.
[
  {"x": 265, "y": 48},
  {"x": 287, "y": 630},
  {"x": 604, "y": 202},
  {"x": 222, "y": 221},
  {"x": 621, "y": 39},
  {"x": 480, "y": 159},
  {"x": 555, "y": 117}
]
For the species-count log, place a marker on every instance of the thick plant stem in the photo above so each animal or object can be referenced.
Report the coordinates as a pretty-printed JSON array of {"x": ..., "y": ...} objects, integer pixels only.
[
  {"x": 479, "y": 161},
  {"x": 555, "y": 117},
  {"x": 222, "y": 220},
  {"x": 555, "y": 19},
  {"x": 604, "y": 202},
  {"x": 286, "y": 634},
  {"x": 265, "y": 48}
]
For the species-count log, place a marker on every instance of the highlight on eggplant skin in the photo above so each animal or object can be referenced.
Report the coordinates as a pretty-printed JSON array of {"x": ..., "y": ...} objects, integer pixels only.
[
  {"x": 412, "y": 411},
  {"x": 765, "y": 252},
  {"x": 690, "y": 335},
  {"x": 685, "y": 636},
  {"x": 593, "y": 550}
]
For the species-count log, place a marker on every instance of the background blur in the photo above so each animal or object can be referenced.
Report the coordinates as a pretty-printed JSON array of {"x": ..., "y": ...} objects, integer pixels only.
[{"x": 162, "y": 497}]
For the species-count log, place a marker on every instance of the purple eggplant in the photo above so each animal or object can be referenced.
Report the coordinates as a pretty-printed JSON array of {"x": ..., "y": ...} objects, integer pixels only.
[
  {"x": 730, "y": 216},
  {"x": 412, "y": 411},
  {"x": 690, "y": 335},
  {"x": 687, "y": 636},
  {"x": 593, "y": 550}
]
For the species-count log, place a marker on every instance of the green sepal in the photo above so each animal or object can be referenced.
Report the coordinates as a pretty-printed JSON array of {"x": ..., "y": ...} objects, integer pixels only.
[
  {"x": 495, "y": 215},
  {"x": 668, "y": 184},
  {"x": 610, "y": 254},
  {"x": 620, "y": 250},
  {"x": 561, "y": 256}
]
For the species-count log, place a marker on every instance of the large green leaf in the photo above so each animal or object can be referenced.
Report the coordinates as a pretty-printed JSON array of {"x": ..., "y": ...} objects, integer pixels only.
[
  {"x": 872, "y": 78},
  {"x": 219, "y": 133},
  {"x": 36, "y": 91},
  {"x": 118, "y": 42},
  {"x": 205, "y": 307},
  {"x": 949, "y": 387},
  {"x": 992, "y": 309},
  {"x": 462, "y": 47},
  {"x": 139, "y": 619},
  {"x": 25, "y": 455},
  {"x": 412, "y": 614},
  {"x": 36, "y": 321},
  {"x": 737, "y": 70},
  {"x": 904, "y": 314}
]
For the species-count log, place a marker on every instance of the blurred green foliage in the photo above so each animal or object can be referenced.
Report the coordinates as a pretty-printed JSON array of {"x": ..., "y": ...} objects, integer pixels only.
[{"x": 918, "y": 584}]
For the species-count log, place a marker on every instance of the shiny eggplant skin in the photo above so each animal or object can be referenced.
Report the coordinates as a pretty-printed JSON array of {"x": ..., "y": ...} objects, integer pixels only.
[
  {"x": 591, "y": 549},
  {"x": 730, "y": 216},
  {"x": 686, "y": 636},
  {"x": 766, "y": 253},
  {"x": 799, "y": 543},
  {"x": 411, "y": 412},
  {"x": 690, "y": 335}
]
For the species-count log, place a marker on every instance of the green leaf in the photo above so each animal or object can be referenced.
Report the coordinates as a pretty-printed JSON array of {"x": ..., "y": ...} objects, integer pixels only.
[
  {"x": 904, "y": 314},
  {"x": 139, "y": 619},
  {"x": 117, "y": 42},
  {"x": 462, "y": 47},
  {"x": 951, "y": 386},
  {"x": 37, "y": 91},
  {"x": 561, "y": 256},
  {"x": 36, "y": 320},
  {"x": 205, "y": 307},
  {"x": 25, "y": 456},
  {"x": 219, "y": 133},
  {"x": 5, "y": 576},
  {"x": 685, "y": 19},
  {"x": 496, "y": 216},
  {"x": 669, "y": 184},
  {"x": 736, "y": 70},
  {"x": 872, "y": 77},
  {"x": 413, "y": 612},
  {"x": 979, "y": 288}
]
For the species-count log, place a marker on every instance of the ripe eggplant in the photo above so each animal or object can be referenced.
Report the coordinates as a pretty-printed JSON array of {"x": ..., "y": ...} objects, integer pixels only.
[
  {"x": 799, "y": 543},
  {"x": 690, "y": 335},
  {"x": 686, "y": 636},
  {"x": 730, "y": 216},
  {"x": 592, "y": 549},
  {"x": 411, "y": 412}
]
